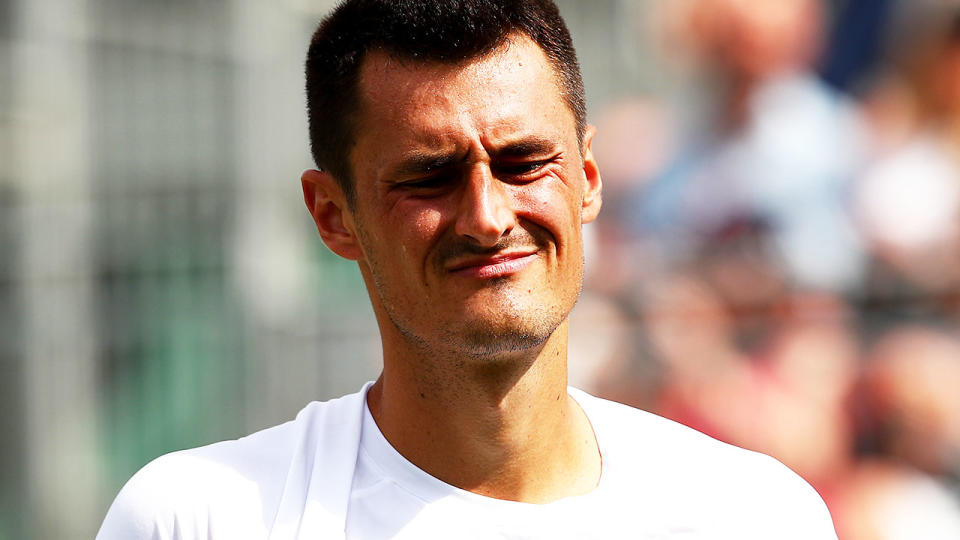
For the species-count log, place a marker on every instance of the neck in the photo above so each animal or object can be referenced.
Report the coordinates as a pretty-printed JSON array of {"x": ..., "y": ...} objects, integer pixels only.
[{"x": 503, "y": 427}]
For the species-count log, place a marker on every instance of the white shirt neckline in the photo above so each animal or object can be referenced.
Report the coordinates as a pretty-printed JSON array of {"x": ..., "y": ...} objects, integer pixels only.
[{"x": 396, "y": 468}]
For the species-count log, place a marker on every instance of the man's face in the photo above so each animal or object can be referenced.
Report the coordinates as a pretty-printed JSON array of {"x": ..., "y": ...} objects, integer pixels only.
[{"x": 470, "y": 195}]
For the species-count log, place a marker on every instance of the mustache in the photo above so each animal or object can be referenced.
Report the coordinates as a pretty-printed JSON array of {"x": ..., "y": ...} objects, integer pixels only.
[{"x": 458, "y": 247}]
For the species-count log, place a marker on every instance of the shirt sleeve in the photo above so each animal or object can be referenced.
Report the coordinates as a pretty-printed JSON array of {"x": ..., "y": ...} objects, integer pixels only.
[
  {"x": 196, "y": 494},
  {"x": 142, "y": 509}
]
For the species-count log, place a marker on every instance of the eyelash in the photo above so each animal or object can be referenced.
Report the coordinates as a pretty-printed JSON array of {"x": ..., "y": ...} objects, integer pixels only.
[
  {"x": 428, "y": 183},
  {"x": 520, "y": 169}
]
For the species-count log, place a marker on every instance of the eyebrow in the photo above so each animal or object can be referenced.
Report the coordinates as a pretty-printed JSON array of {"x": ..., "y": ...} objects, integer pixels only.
[
  {"x": 421, "y": 163},
  {"x": 528, "y": 146}
]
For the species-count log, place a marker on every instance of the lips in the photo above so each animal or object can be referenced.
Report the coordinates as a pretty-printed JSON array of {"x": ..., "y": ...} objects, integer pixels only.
[{"x": 500, "y": 265}]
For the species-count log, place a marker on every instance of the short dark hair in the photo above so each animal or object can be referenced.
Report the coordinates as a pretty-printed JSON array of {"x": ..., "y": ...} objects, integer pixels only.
[{"x": 448, "y": 31}]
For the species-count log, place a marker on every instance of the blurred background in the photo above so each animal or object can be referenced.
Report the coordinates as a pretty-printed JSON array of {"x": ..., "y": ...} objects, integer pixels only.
[{"x": 777, "y": 263}]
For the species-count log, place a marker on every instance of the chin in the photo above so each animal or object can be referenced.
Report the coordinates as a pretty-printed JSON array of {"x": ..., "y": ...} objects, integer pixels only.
[
  {"x": 487, "y": 344},
  {"x": 504, "y": 335}
]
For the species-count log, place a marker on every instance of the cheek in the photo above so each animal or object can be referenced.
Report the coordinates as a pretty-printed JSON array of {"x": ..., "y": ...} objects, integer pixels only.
[
  {"x": 414, "y": 228},
  {"x": 552, "y": 205},
  {"x": 427, "y": 222}
]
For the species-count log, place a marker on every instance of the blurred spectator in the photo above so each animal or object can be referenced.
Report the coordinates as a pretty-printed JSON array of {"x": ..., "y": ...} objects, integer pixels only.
[
  {"x": 913, "y": 382},
  {"x": 888, "y": 502},
  {"x": 908, "y": 203},
  {"x": 784, "y": 147}
]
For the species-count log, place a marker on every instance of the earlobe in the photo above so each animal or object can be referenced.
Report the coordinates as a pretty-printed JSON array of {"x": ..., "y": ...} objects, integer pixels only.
[
  {"x": 592, "y": 184},
  {"x": 327, "y": 205}
]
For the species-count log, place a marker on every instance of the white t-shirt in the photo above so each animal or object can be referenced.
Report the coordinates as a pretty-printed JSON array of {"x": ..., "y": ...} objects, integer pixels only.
[{"x": 660, "y": 480}]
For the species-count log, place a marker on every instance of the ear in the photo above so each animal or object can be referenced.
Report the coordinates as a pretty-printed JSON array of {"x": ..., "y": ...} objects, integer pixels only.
[
  {"x": 328, "y": 205},
  {"x": 592, "y": 184}
]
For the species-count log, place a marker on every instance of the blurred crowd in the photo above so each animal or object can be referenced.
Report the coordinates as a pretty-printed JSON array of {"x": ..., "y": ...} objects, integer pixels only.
[{"x": 781, "y": 270}]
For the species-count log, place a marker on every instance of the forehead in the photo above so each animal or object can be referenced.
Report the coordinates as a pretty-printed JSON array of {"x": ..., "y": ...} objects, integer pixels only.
[{"x": 405, "y": 102}]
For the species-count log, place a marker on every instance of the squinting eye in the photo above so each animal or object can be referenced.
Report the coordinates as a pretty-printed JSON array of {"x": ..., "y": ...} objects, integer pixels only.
[
  {"x": 433, "y": 182},
  {"x": 520, "y": 169}
]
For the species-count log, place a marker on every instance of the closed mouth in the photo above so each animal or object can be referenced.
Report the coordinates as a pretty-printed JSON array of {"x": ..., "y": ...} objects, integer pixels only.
[{"x": 499, "y": 265}]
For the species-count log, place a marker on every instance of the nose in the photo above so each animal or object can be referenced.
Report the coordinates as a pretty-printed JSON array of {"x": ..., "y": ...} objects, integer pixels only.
[{"x": 485, "y": 214}]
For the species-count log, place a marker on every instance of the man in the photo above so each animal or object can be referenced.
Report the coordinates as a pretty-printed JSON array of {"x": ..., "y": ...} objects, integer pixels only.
[{"x": 456, "y": 169}]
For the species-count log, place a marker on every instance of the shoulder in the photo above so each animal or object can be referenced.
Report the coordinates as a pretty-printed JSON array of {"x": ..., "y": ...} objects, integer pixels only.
[
  {"x": 689, "y": 472},
  {"x": 623, "y": 429},
  {"x": 234, "y": 487}
]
